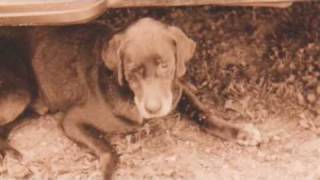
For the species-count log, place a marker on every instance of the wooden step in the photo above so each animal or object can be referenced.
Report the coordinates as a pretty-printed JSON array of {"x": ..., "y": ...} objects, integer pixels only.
[{"x": 60, "y": 12}]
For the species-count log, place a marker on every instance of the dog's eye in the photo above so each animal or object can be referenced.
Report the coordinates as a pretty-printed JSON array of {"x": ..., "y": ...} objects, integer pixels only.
[
  {"x": 164, "y": 65},
  {"x": 162, "y": 69},
  {"x": 160, "y": 62},
  {"x": 140, "y": 70}
]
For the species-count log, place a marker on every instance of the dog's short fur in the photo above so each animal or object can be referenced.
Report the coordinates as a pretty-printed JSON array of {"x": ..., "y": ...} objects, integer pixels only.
[
  {"x": 120, "y": 98},
  {"x": 15, "y": 86}
]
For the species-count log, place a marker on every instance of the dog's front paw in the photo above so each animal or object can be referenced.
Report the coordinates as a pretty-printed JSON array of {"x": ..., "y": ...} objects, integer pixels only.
[
  {"x": 248, "y": 135},
  {"x": 108, "y": 163}
]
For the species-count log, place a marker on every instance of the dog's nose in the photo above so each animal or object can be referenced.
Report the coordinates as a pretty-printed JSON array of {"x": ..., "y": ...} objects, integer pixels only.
[{"x": 153, "y": 106}]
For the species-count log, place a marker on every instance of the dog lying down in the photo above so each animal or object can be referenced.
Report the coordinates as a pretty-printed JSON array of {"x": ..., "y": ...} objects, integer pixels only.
[{"x": 113, "y": 83}]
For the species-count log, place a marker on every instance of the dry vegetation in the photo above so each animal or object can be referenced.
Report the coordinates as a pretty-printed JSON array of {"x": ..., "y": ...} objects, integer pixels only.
[{"x": 252, "y": 65}]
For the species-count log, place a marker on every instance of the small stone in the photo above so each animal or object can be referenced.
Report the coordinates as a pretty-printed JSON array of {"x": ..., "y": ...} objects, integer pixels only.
[
  {"x": 171, "y": 158},
  {"x": 208, "y": 150},
  {"x": 305, "y": 124},
  {"x": 271, "y": 157},
  {"x": 292, "y": 66},
  {"x": 310, "y": 68},
  {"x": 311, "y": 97},
  {"x": 276, "y": 138},
  {"x": 249, "y": 136}
]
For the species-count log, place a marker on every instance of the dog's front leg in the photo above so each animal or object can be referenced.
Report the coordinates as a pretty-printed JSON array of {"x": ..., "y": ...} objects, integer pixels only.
[
  {"x": 75, "y": 126},
  {"x": 96, "y": 115},
  {"x": 243, "y": 134}
]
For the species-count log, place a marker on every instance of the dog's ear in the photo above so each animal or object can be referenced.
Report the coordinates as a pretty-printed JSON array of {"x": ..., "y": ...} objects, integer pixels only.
[
  {"x": 111, "y": 56},
  {"x": 185, "y": 48}
]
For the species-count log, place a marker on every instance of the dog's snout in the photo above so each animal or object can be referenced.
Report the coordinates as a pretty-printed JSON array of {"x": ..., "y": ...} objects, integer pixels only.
[{"x": 153, "y": 106}]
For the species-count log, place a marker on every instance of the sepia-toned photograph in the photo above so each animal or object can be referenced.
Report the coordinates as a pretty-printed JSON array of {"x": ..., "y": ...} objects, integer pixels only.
[{"x": 159, "y": 89}]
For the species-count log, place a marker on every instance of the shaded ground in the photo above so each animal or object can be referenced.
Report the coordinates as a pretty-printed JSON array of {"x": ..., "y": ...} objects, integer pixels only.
[
  {"x": 177, "y": 150},
  {"x": 252, "y": 65}
]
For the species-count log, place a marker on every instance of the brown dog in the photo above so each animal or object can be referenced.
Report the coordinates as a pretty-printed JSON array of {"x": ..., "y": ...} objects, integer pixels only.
[{"x": 66, "y": 63}]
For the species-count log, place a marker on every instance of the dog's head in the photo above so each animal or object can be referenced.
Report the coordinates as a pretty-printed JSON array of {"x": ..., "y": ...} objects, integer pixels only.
[{"x": 149, "y": 56}]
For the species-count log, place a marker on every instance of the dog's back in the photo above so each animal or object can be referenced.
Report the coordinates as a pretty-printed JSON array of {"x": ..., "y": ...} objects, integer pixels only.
[
  {"x": 15, "y": 81},
  {"x": 70, "y": 72}
]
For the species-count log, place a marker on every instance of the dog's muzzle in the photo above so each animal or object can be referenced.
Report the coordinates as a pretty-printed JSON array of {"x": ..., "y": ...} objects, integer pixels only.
[{"x": 158, "y": 102}]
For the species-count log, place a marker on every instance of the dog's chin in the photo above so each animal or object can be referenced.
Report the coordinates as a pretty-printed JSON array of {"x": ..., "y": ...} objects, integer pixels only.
[{"x": 165, "y": 110}]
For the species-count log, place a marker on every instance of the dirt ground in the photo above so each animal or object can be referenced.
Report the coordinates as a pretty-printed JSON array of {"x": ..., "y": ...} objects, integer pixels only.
[{"x": 252, "y": 65}]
